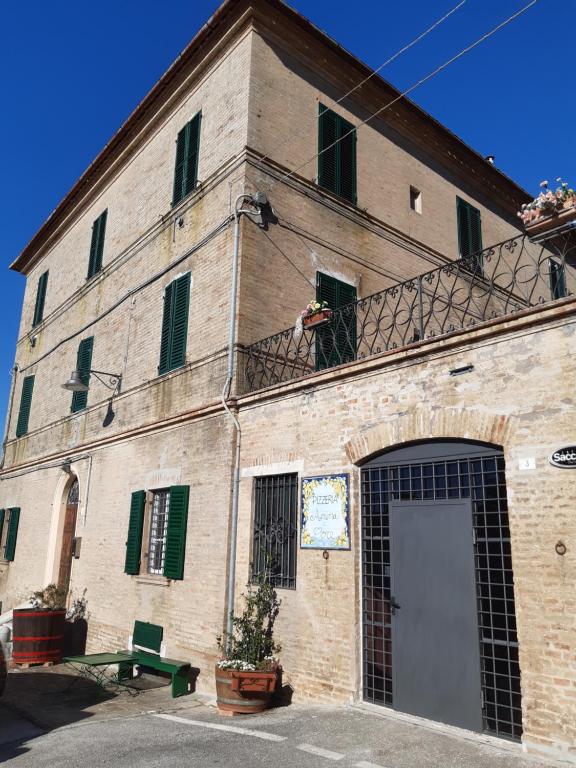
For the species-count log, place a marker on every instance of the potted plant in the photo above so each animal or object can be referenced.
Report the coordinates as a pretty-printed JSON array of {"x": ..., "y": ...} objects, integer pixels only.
[
  {"x": 76, "y": 627},
  {"x": 38, "y": 631},
  {"x": 550, "y": 209},
  {"x": 316, "y": 313},
  {"x": 248, "y": 672}
]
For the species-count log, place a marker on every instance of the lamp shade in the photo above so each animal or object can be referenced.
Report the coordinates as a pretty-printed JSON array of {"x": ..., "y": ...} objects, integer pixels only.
[{"x": 75, "y": 383}]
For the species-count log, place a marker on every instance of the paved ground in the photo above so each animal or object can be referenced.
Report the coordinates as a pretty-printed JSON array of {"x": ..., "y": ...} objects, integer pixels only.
[{"x": 82, "y": 729}]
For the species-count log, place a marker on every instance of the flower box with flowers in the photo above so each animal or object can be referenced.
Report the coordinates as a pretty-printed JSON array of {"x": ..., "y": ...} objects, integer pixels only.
[
  {"x": 551, "y": 209},
  {"x": 316, "y": 313}
]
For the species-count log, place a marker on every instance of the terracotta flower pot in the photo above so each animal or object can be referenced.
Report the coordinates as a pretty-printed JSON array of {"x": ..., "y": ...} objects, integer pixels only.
[
  {"x": 317, "y": 318},
  {"x": 244, "y": 693},
  {"x": 551, "y": 221}
]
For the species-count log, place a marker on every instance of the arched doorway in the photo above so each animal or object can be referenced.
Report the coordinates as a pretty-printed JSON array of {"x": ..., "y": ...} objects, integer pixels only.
[
  {"x": 68, "y": 533},
  {"x": 439, "y": 624}
]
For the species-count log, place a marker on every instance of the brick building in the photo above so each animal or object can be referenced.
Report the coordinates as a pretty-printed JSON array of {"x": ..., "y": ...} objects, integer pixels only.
[{"x": 435, "y": 394}]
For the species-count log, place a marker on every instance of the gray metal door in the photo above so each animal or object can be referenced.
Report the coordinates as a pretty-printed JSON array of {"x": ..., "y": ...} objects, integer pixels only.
[{"x": 436, "y": 660}]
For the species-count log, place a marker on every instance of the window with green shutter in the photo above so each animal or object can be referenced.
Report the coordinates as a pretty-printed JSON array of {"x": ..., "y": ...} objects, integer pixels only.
[
  {"x": 40, "y": 299},
  {"x": 13, "y": 520},
  {"x": 336, "y": 341},
  {"x": 25, "y": 406},
  {"x": 469, "y": 232},
  {"x": 174, "y": 324},
  {"x": 135, "y": 527},
  {"x": 176, "y": 532},
  {"x": 337, "y": 154},
  {"x": 83, "y": 365},
  {"x": 161, "y": 523},
  {"x": 97, "y": 245},
  {"x": 186, "y": 167},
  {"x": 2, "y": 516}
]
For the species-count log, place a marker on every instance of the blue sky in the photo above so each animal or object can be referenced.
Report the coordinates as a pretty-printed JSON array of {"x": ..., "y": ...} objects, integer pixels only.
[{"x": 70, "y": 77}]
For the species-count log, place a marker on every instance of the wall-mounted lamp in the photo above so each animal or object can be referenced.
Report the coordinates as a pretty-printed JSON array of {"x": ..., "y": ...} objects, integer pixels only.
[
  {"x": 75, "y": 383},
  {"x": 460, "y": 371}
]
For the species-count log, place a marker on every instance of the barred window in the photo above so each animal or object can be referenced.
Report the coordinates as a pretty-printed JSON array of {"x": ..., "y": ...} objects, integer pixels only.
[
  {"x": 275, "y": 529},
  {"x": 158, "y": 529}
]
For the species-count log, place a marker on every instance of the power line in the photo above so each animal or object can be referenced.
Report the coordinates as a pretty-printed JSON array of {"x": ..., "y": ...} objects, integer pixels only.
[
  {"x": 401, "y": 51},
  {"x": 145, "y": 284},
  {"x": 437, "y": 23},
  {"x": 288, "y": 259},
  {"x": 409, "y": 90}
]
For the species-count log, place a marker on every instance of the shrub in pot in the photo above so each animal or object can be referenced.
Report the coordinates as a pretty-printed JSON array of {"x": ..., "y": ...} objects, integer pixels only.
[
  {"x": 76, "y": 627},
  {"x": 248, "y": 673}
]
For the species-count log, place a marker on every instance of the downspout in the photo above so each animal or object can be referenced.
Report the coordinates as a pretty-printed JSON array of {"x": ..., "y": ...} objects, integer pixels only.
[
  {"x": 225, "y": 394},
  {"x": 13, "y": 373}
]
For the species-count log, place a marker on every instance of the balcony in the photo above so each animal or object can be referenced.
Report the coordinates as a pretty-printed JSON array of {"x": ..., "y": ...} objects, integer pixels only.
[{"x": 500, "y": 281}]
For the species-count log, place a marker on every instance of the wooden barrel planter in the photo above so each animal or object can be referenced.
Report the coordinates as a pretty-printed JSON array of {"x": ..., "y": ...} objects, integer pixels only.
[
  {"x": 244, "y": 693},
  {"x": 37, "y": 636}
]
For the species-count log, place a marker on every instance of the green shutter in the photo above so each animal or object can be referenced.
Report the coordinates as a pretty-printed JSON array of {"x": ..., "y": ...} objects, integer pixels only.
[
  {"x": 186, "y": 166},
  {"x": 25, "y": 405},
  {"x": 336, "y": 342},
  {"x": 134, "y": 540},
  {"x": 328, "y": 158},
  {"x": 83, "y": 365},
  {"x": 176, "y": 533},
  {"x": 180, "y": 322},
  {"x": 97, "y": 244},
  {"x": 336, "y": 164},
  {"x": 557, "y": 276},
  {"x": 12, "y": 533},
  {"x": 2, "y": 515},
  {"x": 475, "y": 230},
  {"x": 166, "y": 330},
  {"x": 469, "y": 228},
  {"x": 175, "y": 325},
  {"x": 463, "y": 228},
  {"x": 40, "y": 299}
]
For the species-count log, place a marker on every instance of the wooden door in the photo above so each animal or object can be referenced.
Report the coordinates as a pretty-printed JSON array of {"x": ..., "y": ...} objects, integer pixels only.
[{"x": 68, "y": 537}]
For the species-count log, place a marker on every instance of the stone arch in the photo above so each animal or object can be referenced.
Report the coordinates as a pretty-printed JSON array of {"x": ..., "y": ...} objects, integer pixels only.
[
  {"x": 63, "y": 484},
  {"x": 430, "y": 424}
]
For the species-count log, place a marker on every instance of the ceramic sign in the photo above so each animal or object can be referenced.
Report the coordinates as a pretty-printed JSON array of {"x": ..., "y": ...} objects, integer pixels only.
[{"x": 325, "y": 516}]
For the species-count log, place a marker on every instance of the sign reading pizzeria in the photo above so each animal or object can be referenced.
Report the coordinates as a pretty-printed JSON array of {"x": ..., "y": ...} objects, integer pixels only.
[
  {"x": 564, "y": 457},
  {"x": 325, "y": 512}
]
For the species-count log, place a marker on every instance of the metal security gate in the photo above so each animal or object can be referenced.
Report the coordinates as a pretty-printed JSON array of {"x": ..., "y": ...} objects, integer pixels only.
[{"x": 432, "y": 483}]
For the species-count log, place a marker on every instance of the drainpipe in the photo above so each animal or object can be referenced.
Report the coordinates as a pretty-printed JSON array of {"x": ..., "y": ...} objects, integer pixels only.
[
  {"x": 13, "y": 373},
  {"x": 238, "y": 211}
]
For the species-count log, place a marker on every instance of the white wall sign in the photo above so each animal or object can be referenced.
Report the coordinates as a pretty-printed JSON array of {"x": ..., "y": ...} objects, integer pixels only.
[
  {"x": 565, "y": 458},
  {"x": 163, "y": 478},
  {"x": 325, "y": 512}
]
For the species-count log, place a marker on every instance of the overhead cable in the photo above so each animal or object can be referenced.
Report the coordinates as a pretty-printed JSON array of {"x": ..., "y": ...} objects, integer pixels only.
[{"x": 409, "y": 90}]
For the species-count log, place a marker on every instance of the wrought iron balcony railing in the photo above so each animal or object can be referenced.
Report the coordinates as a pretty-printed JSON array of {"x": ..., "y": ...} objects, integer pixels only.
[{"x": 498, "y": 281}]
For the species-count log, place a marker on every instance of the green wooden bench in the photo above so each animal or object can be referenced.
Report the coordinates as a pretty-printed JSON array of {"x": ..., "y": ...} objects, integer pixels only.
[{"x": 145, "y": 651}]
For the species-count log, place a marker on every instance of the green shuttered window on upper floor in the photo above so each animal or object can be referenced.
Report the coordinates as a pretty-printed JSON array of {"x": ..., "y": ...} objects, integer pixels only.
[
  {"x": 336, "y": 342},
  {"x": 25, "y": 406},
  {"x": 186, "y": 166},
  {"x": 97, "y": 245},
  {"x": 174, "y": 324},
  {"x": 469, "y": 229},
  {"x": 169, "y": 543},
  {"x": 40, "y": 299},
  {"x": 12, "y": 533},
  {"x": 83, "y": 365},
  {"x": 337, "y": 154}
]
